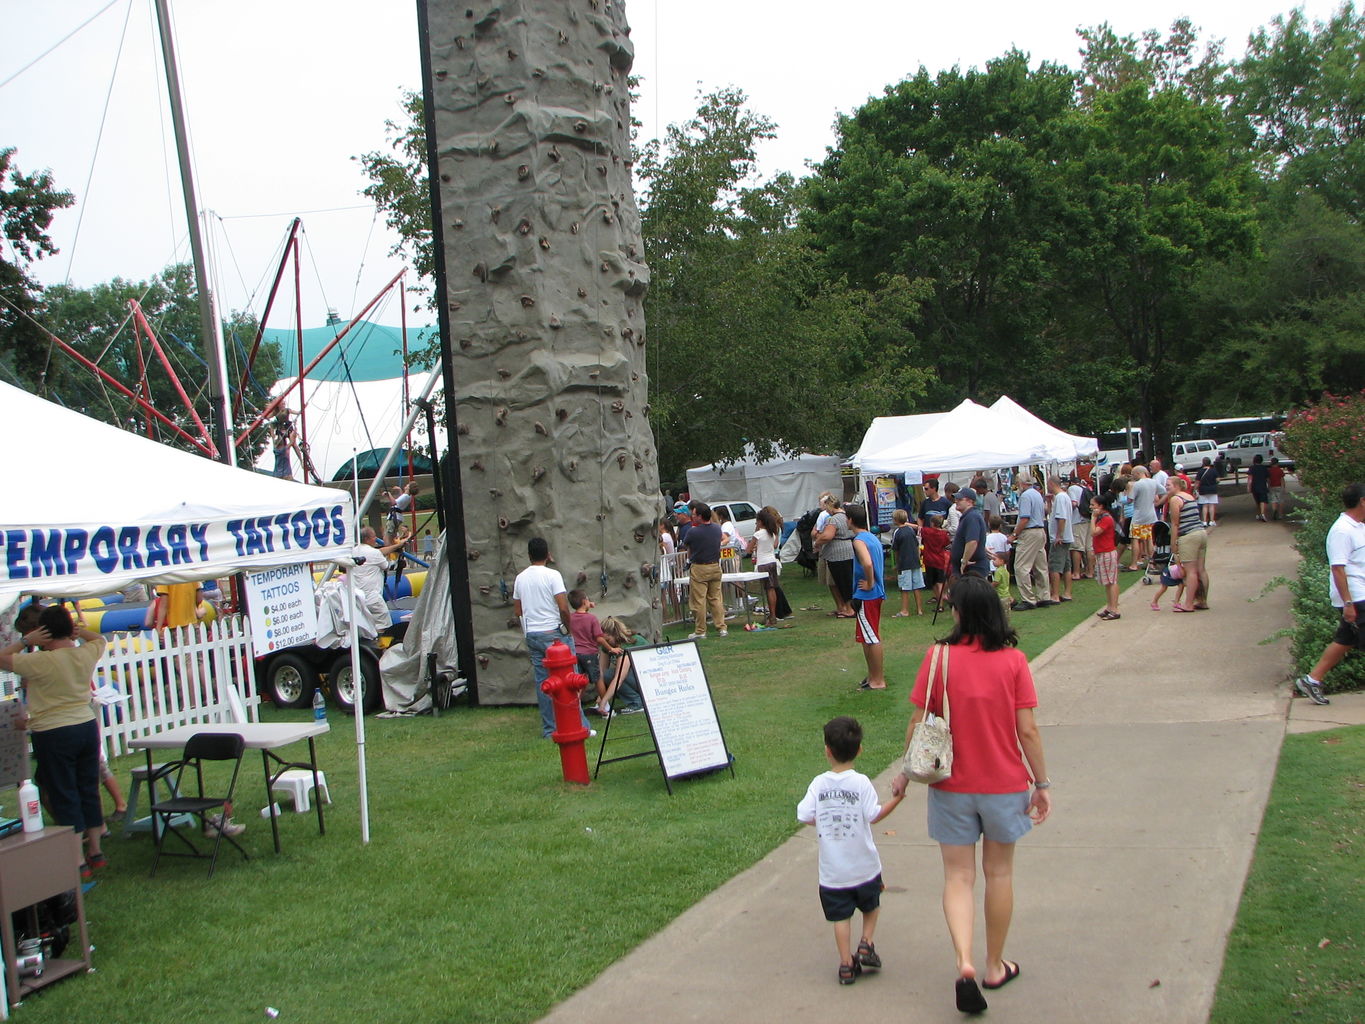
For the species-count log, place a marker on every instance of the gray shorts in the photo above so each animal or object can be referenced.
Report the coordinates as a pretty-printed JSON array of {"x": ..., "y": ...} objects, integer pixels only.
[
  {"x": 960, "y": 819},
  {"x": 1058, "y": 558}
]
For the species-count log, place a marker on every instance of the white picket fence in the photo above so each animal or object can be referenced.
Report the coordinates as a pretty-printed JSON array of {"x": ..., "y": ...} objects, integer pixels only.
[{"x": 190, "y": 675}]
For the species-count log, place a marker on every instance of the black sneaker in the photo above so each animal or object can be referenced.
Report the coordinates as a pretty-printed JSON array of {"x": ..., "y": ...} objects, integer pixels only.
[
  {"x": 867, "y": 956},
  {"x": 1311, "y": 690},
  {"x": 1023, "y": 606},
  {"x": 848, "y": 973}
]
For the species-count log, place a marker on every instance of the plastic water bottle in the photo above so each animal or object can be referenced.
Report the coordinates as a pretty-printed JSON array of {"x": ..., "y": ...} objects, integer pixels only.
[
  {"x": 319, "y": 706},
  {"x": 30, "y": 809}
]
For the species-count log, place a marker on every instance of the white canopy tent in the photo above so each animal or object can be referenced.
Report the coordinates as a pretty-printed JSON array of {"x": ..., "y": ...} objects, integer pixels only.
[
  {"x": 117, "y": 508},
  {"x": 790, "y": 485},
  {"x": 122, "y": 508},
  {"x": 1062, "y": 447},
  {"x": 887, "y": 432},
  {"x": 969, "y": 437}
]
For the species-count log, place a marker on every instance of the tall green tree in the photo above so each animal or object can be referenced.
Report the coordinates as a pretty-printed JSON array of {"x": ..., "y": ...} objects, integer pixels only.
[
  {"x": 1160, "y": 193},
  {"x": 953, "y": 180},
  {"x": 399, "y": 188},
  {"x": 27, "y": 205},
  {"x": 1301, "y": 90},
  {"x": 1178, "y": 60},
  {"x": 753, "y": 343}
]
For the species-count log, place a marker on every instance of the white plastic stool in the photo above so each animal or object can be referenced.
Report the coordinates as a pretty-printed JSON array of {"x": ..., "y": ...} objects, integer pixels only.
[{"x": 297, "y": 782}]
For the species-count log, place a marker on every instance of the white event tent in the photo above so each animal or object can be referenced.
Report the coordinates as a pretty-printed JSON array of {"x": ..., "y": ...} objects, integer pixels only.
[
  {"x": 889, "y": 431},
  {"x": 112, "y": 508},
  {"x": 973, "y": 437},
  {"x": 1062, "y": 447}
]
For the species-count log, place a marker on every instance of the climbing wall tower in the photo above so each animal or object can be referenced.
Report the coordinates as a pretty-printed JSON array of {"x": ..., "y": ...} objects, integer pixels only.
[{"x": 542, "y": 285}]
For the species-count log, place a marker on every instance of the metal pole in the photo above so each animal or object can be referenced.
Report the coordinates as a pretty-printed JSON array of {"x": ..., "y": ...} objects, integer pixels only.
[
  {"x": 358, "y": 689},
  {"x": 456, "y": 546},
  {"x": 208, "y": 326}
]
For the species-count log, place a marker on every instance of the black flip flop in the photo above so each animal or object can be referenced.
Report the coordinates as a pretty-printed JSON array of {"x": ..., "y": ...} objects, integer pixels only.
[
  {"x": 1011, "y": 972},
  {"x": 969, "y": 997}
]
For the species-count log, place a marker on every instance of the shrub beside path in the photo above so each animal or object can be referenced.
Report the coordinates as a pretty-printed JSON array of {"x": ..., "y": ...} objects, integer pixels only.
[{"x": 1162, "y": 733}]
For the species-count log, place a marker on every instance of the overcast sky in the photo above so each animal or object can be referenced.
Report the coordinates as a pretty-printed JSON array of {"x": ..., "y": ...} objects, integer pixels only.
[{"x": 281, "y": 95}]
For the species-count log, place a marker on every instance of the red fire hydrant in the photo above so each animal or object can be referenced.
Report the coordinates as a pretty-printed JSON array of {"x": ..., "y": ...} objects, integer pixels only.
[{"x": 564, "y": 687}]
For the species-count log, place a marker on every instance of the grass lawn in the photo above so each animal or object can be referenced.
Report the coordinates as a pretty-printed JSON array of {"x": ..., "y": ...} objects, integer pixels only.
[
  {"x": 1297, "y": 949},
  {"x": 491, "y": 889}
]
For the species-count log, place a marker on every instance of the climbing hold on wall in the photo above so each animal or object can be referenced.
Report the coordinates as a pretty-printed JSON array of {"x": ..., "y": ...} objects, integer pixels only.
[
  {"x": 540, "y": 428},
  {"x": 441, "y": 75},
  {"x": 554, "y": 323},
  {"x": 581, "y": 579},
  {"x": 639, "y": 536},
  {"x": 628, "y": 582},
  {"x": 504, "y": 373},
  {"x": 481, "y": 272},
  {"x": 500, "y": 417},
  {"x": 524, "y": 227},
  {"x": 618, "y": 406},
  {"x": 463, "y": 428},
  {"x": 454, "y": 307},
  {"x": 537, "y": 473},
  {"x": 474, "y": 555},
  {"x": 523, "y": 172},
  {"x": 621, "y": 461},
  {"x": 544, "y": 242},
  {"x": 466, "y": 342},
  {"x": 503, "y": 523},
  {"x": 562, "y": 414},
  {"x": 573, "y": 465},
  {"x": 509, "y": 98},
  {"x": 554, "y": 153},
  {"x": 573, "y": 228},
  {"x": 495, "y": 213},
  {"x": 606, "y": 216},
  {"x": 485, "y": 590},
  {"x": 477, "y": 465},
  {"x": 580, "y": 127},
  {"x": 483, "y": 661},
  {"x": 582, "y": 293},
  {"x": 527, "y": 302}
]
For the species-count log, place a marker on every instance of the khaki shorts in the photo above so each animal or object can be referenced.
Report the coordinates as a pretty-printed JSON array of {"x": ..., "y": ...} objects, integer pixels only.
[
  {"x": 1190, "y": 547},
  {"x": 822, "y": 573}
]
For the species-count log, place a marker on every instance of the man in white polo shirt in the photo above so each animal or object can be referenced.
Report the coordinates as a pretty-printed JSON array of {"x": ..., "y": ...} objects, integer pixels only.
[{"x": 1346, "y": 557}]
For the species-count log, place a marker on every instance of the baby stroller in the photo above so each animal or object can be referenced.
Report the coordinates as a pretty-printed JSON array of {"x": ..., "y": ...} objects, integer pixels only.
[{"x": 1161, "y": 553}]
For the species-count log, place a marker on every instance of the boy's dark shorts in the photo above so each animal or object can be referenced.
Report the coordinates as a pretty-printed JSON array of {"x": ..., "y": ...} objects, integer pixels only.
[
  {"x": 933, "y": 577},
  {"x": 1350, "y": 634},
  {"x": 840, "y": 904}
]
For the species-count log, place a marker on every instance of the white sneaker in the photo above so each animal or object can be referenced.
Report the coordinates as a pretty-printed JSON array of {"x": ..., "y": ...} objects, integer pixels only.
[
  {"x": 214, "y": 823},
  {"x": 698, "y": 636},
  {"x": 722, "y": 632}
]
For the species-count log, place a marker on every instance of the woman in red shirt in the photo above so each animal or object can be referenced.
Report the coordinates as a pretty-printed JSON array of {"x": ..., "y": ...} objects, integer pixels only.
[{"x": 990, "y": 701}]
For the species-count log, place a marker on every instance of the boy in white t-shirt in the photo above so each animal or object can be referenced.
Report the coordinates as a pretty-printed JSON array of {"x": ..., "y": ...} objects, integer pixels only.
[{"x": 842, "y": 804}]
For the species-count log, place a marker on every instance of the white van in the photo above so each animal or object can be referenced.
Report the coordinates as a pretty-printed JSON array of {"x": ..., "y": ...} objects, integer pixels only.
[
  {"x": 1191, "y": 454},
  {"x": 1243, "y": 448}
]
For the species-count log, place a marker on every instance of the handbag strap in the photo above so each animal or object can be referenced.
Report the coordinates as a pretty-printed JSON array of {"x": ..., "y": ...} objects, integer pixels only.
[{"x": 942, "y": 665}]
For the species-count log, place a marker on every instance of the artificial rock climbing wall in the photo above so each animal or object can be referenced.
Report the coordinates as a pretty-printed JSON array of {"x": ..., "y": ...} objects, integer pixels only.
[{"x": 544, "y": 281}]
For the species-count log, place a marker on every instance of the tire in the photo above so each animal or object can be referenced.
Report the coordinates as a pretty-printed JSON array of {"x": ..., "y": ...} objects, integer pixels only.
[
  {"x": 291, "y": 681},
  {"x": 343, "y": 692}
]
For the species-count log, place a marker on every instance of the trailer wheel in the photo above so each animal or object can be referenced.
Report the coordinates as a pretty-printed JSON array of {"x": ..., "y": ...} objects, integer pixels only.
[
  {"x": 343, "y": 686},
  {"x": 291, "y": 681}
]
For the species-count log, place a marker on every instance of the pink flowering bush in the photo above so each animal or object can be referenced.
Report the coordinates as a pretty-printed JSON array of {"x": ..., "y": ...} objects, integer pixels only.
[{"x": 1327, "y": 443}]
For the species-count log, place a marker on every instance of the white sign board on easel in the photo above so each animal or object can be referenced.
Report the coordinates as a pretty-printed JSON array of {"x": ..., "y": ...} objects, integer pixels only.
[
  {"x": 282, "y": 610},
  {"x": 681, "y": 713}
]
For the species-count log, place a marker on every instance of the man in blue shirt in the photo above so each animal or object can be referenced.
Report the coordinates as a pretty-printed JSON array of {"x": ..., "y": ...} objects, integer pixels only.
[
  {"x": 868, "y": 591},
  {"x": 969, "y": 555},
  {"x": 1030, "y": 551}
]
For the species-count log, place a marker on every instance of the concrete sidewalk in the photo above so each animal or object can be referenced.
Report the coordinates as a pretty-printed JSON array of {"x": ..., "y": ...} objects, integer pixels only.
[{"x": 1162, "y": 733}]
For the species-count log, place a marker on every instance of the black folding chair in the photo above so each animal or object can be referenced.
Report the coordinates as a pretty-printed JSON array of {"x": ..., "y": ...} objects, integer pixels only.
[{"x": 202, "y": 747}]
